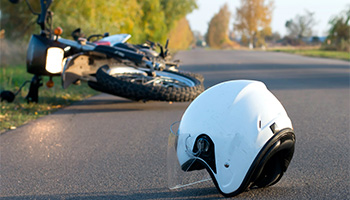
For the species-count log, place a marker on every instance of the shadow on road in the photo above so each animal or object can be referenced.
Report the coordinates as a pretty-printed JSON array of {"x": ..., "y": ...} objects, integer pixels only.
[
  {"x": 164, "y": 193},
  {"x": 105, "y": 103},
  {"x": 157, "y": 193}
]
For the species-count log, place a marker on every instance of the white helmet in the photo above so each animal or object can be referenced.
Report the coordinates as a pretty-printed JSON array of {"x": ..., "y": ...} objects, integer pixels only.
[{"x": 239, "y": 132}]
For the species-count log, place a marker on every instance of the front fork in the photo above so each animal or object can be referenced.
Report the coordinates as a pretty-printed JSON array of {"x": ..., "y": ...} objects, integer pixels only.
[{"x": 33, "y": 94}]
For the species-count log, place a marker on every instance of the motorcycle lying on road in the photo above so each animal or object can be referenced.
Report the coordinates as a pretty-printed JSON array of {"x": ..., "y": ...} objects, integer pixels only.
[{"x": 108, "y": 64}]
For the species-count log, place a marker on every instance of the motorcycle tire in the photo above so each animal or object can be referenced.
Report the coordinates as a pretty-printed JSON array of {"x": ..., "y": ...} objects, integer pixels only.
[{"x": 177, "y": 87}]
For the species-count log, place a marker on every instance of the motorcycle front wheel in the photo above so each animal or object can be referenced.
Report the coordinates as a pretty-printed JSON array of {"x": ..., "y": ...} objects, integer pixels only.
[{"x": 163, "y": 85}]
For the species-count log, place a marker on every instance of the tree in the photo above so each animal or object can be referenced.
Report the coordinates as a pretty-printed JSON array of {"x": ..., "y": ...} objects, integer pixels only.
[
  {"x": 175, "y": 10},
  {"x": 160, "y": 16},
  {"x": 274, "y": 37},
  {"x": 217, "y": 33},
  {"x": 181, "y": 36},
  {"x": 152, "y": 26},
  {"x": 96, "y": 16},
  {"x": 17, "y": 20},
  {"x": 253, "y": 20},
  {"x": 93, "y": 16},
  {"x": 339, "y": 34},
  {"x": 144, "y": 19},
  {"x": 301, "y": 26}
]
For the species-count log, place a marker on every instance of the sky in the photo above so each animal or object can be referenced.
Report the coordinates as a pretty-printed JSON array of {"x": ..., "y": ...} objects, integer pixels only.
[{"x": 284, "y": 10}]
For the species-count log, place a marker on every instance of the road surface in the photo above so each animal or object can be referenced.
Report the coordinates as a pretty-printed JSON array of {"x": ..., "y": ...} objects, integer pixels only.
[{"x": 108, "y": 147}]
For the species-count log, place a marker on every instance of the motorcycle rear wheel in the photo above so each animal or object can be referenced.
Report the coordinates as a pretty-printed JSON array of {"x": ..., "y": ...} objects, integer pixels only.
[{"x": 164, "y": 86}]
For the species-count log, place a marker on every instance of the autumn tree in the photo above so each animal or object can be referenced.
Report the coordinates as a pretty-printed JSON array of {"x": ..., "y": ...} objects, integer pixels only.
[
  {"x": 301, "y": 26},
  {"x": 160, "y": 16},
  {"x": 175, "y": 10},
  {"x": 93, "y": 16},
  {"x": 253, "y": 21},
  {"x": 97, "y": 17},
  {"x": 152, "y": 21},
  {"x": 217, "y": 33},
  {"x": 181, "y": 36},
  {"x": 339, "y": 34},
  {"x": 144, "y": 19}
]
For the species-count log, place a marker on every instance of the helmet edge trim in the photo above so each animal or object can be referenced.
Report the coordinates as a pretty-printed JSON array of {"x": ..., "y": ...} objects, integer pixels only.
[{"x": 252, "y": 172}]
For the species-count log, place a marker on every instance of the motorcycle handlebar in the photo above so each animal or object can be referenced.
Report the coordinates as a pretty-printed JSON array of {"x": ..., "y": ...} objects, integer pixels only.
[
  {"x": 44, "y": 4},
  {"x": 44, "y": 7}
]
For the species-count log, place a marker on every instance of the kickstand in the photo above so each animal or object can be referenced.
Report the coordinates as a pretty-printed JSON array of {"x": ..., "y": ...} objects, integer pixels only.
[{"x": 33, "y": 94}]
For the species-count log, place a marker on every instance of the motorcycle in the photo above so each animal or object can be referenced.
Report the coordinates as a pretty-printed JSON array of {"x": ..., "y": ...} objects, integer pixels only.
[{"x": 107, "y": 63}]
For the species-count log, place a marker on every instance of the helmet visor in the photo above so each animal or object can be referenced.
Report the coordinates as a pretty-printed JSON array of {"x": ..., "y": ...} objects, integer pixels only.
[{"x": 181, "y": 176}]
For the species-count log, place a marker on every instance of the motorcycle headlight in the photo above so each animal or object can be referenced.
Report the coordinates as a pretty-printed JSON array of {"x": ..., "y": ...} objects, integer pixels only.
[{"x": 54, "y": 60}]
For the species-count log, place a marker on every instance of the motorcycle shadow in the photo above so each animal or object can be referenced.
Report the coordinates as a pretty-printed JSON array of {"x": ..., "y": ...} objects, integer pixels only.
[{"x": 105, "y": 103}]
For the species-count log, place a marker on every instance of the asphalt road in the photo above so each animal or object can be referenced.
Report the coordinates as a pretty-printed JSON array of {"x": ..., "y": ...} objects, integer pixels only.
[{"x": 107, "y": 147}]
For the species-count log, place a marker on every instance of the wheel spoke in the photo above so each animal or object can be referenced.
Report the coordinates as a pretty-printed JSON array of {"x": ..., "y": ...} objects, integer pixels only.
[{"x": 159, "y": 80}]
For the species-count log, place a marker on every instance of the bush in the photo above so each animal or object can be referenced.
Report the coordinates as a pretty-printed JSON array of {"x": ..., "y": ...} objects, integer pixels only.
[{"x": 342, "y": 45}]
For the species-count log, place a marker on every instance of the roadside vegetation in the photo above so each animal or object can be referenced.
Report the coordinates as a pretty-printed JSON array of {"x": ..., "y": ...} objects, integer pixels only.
[
  {"x": 342, "y": 55},
  {"x": 300, "y": 40},
  {"x": 144, "y": 20},
  {"x": 20, "y": 112},
  {"x": 252, "y": 30}
]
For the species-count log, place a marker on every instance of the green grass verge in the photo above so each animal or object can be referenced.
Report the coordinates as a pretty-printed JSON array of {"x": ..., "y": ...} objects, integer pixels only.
[
  {"x": 20, "y": 112},
  {"x": 317, "y": 53}
]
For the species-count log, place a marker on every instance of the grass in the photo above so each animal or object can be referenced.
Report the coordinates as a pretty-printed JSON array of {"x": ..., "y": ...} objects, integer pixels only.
[
  {"x": 20, "y": 112},
  {"x": 343, "y": 55}
]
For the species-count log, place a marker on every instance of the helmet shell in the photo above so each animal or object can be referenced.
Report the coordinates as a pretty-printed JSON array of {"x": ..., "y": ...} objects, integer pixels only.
[{"x": 237, "y": 117}]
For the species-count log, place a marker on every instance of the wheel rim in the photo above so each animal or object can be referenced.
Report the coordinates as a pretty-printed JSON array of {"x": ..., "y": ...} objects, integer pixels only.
[{"x": 162, "y": 78}]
